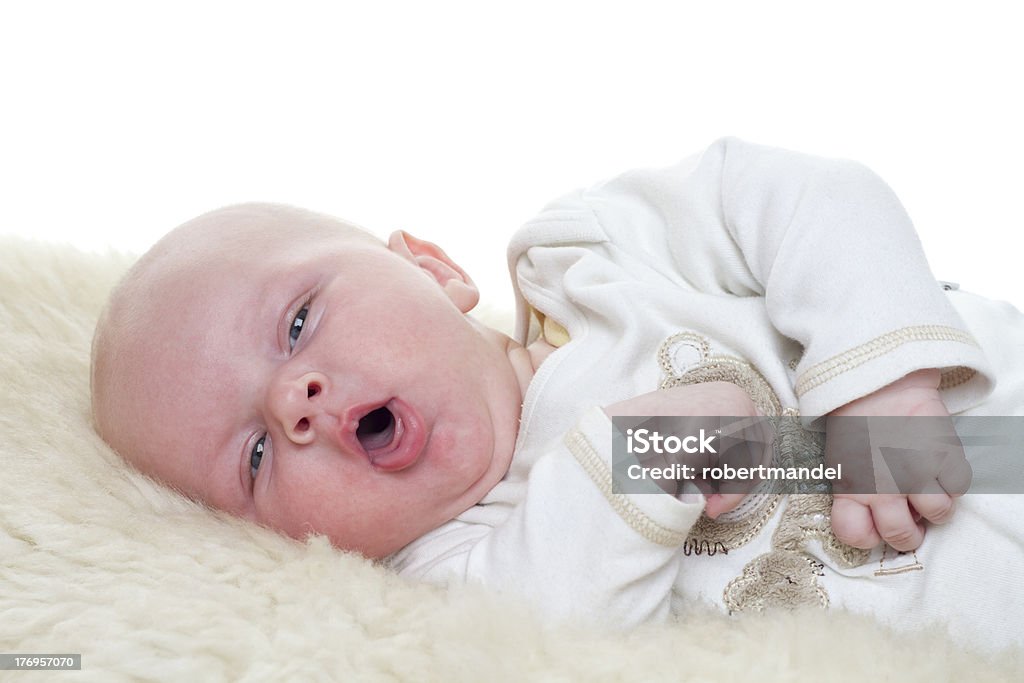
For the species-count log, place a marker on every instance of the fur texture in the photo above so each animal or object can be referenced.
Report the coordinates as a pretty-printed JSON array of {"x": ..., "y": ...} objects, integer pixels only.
[{"x": 99, "y": 560}]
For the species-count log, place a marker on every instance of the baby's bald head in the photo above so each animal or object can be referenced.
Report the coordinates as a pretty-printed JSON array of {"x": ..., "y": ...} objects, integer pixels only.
[
  {"x": 294, "y": 370},
  {"x": 141, "y": 324}
]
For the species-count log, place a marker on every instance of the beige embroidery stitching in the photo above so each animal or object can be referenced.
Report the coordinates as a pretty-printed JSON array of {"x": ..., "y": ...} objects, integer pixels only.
[
  {"x": 666, "y": 352},
  {"x": 626, "y": 509},
  {"x": 715, "y": 369},
  {"x": 733, "y": 534},
  {"x": 882, "y": 570},
  {"x": 879, "y": 346},
  {"x": 694, "y": 547},
  {"x": 956, "y": 376}
]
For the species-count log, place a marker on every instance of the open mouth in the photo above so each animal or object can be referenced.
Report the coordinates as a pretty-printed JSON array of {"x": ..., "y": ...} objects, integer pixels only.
[
  {"x": 376, "y": 429},
  {"x": 392, "y": 435}
]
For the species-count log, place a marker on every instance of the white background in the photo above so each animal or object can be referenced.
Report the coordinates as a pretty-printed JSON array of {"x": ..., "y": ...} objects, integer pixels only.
[{"x": 459, "y": 120}]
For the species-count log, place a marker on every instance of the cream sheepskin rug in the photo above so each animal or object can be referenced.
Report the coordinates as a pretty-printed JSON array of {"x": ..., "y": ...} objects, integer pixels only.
[{"x": 98, "y": 560}]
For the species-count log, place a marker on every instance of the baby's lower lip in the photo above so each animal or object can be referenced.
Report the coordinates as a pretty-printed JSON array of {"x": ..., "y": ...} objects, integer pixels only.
[{"x": 406, "y": 445}]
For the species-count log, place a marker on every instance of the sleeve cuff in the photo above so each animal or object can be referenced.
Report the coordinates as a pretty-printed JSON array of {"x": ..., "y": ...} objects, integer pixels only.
[
  {"x": 823, "y": 386},
  {"x": 658, "y": 517}
]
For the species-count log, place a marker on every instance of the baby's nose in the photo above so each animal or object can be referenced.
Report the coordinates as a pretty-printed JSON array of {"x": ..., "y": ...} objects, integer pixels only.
[{"x": 296, "y": 404}]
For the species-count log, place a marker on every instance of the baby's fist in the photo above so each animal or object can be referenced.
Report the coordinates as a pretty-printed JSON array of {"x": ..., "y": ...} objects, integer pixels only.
[
  {"x": 704, "y": 404},
  {"x": 916, "y": 467}
]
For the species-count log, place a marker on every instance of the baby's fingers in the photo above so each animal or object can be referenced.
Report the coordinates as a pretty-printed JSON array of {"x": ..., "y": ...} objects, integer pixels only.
[
  {"x": 719, "y": 503},
  {"x": 937, "y": 507},
  {"x": 852, "y": 523},
  {"x": 896, "y": 524},
  {"x": 955, "y": 475}
]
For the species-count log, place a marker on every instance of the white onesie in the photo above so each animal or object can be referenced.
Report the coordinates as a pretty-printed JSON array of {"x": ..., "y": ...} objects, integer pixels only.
[{"x": 801, "y": 280}]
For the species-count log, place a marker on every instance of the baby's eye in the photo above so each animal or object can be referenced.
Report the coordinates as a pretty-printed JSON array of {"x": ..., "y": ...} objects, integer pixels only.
[
  {"x": 256, "y": 456},
  {"x": 296, "y": 328}
]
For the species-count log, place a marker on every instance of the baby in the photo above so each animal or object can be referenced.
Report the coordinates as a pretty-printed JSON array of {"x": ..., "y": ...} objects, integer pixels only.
[{"x": 294, "y": 370}]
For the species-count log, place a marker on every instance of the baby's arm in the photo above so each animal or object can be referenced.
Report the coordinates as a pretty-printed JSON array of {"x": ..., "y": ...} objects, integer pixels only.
[
  {"x": 827, "y": 245},
  {"x": 864, "y": 520}
]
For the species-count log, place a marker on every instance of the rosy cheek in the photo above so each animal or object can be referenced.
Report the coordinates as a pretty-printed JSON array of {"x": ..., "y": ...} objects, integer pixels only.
[{"x": 294, "y": 495}]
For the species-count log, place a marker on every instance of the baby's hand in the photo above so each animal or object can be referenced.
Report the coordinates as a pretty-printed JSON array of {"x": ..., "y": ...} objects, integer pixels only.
[
  {"x": 864, "y": 520},
  {"x": 711, "y": 399}
]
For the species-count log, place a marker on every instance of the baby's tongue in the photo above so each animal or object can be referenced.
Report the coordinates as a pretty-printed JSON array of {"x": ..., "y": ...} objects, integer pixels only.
[{"x": 394, "y": 436}]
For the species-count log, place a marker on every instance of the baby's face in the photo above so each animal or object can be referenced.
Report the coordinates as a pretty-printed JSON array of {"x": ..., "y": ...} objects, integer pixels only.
[{"x": 313, "y": 383}]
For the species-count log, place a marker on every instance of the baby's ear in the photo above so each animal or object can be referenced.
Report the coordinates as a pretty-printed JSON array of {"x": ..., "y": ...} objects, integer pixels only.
[{"x": 459, "y": 287}]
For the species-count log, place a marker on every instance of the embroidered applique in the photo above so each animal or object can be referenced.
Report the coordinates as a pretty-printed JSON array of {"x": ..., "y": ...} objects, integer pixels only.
[
  {"x": 914, "y": 566},
  {"x": 782, "y": 578},
  {"x": 685, "y": 358},
  {"x": 733, "y": 534},
  {"x": 787, "y": 575},
  {"x": 695, "y": 547},
  {"x": 809, "y": 517}
]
